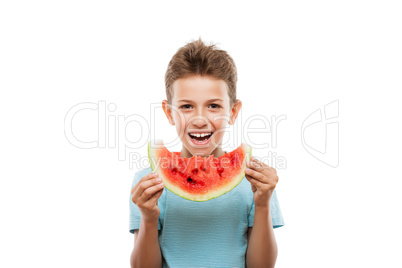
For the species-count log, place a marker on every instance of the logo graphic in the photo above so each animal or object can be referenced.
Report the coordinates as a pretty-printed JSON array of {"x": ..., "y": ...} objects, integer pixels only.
[
  {"x": 320, "y": 134},
  {"x": 90, "y": 125}
]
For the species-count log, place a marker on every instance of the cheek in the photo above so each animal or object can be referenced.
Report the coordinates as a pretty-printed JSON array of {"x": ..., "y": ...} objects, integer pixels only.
[
  {"x": 220, "y": 122},
  {"x": 178, "y": 117},
  {"x": 180, "y": 120}
]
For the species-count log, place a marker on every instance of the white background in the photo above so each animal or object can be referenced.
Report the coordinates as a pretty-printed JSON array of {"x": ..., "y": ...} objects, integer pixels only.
[{"x": 63, "y": 206}]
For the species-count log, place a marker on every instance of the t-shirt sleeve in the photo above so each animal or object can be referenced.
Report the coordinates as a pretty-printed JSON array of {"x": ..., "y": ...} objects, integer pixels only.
[
  {"x": 276, "y": 213},
  {"x": 135, "y": 214}
]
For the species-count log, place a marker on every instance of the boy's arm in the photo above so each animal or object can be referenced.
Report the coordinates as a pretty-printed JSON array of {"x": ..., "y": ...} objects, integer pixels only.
[
  {"x": 262, "y": 250},
  {"x": 146, "y": 252}
]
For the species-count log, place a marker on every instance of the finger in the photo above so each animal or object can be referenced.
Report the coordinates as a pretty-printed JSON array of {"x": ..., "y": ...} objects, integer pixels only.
[
  {"x": 149, "y": 192},
  {"x": 254, "y": 182},
  {"x": 155, "y": 197},
  {"x": 254, "y": 166},
  {"x": 147, "y": 177},
  {"x": 255, "y": 174},
  {"x": 258, "y": 162},
  {"x": 142, "y": 186}
]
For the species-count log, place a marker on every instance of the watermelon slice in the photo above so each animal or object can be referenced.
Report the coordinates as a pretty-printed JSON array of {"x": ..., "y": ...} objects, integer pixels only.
[{"x": 198, "y": 178}]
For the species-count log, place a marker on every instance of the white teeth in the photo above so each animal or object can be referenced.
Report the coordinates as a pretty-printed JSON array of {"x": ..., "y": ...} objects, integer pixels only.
[{"x": 200, "y": 134}]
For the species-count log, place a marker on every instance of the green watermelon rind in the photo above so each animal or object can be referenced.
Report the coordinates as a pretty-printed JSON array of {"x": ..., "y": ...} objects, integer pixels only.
[{"x": 205, "y": 197}]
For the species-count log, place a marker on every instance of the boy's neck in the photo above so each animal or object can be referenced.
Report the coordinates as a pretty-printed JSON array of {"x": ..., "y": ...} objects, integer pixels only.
[{"x": 218, "y": 152}]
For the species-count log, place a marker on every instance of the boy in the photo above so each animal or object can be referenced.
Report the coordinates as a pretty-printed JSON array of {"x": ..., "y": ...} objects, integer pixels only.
[{"x": 233, "y": 230}]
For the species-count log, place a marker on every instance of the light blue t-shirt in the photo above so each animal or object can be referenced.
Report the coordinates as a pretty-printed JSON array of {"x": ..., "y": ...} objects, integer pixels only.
[{"x": 204, "y": 234}]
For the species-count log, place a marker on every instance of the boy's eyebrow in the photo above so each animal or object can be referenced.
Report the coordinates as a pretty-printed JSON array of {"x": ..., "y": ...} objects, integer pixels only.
[
  {"x": 184, "y": 100},
  {"x": 211, "y": 100},
  {"x": 215, "y": 100}
]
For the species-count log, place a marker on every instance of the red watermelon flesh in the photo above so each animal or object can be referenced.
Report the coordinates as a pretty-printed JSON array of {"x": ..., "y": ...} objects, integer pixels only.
[{"x": 199, "y": 178}]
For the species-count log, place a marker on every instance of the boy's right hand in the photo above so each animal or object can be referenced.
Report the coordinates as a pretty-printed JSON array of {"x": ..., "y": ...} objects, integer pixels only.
[{"x": 145, "y": 195}]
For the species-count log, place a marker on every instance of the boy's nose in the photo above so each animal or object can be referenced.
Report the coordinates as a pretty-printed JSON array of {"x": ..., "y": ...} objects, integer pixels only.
[{"x": 200, "y": 121}]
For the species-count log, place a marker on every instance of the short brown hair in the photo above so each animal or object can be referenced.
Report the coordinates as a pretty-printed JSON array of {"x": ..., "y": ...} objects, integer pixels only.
[{"x": 196, "y": 58}]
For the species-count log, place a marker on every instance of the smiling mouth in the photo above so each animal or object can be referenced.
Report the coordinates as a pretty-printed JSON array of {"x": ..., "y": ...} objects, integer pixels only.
[{"x": 200, "y": 137}]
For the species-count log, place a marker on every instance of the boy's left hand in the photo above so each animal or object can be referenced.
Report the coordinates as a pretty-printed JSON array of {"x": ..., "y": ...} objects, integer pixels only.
[{"x": 263, "y": 179}]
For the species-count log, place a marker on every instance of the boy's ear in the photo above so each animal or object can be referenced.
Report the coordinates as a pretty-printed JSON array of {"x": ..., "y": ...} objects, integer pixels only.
[
  {"x": 168, "y": 112},
  {"x": 235, "y": 111}
]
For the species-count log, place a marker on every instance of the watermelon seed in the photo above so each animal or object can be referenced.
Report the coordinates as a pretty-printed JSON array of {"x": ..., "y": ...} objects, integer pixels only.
[
  {"x": 174, "y": 171},
  {"x": 190, "y": 180},
  {"x": 194, "y": 171}
]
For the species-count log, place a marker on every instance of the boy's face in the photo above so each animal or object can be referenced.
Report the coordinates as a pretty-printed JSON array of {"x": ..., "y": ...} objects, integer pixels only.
[{"x": 201, "y": 111}]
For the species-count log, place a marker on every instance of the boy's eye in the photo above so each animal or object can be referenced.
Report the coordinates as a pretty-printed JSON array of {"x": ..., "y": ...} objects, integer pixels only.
[
  {"x": 186, "y": 106},
  {"x": 215, "y": 106}
]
